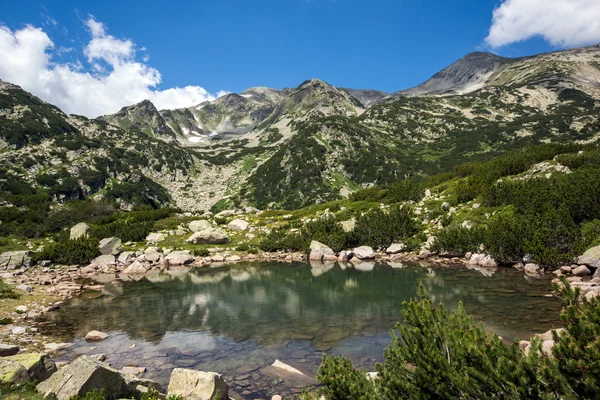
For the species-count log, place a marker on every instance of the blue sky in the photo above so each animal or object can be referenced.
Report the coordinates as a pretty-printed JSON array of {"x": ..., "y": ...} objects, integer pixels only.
[{"x": 231, "y": 45}]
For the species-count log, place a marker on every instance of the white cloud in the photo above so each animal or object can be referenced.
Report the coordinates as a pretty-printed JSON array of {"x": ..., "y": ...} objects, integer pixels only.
[
  {"x": 562, "y": 23},
  {"x": 114, "y": 78}
]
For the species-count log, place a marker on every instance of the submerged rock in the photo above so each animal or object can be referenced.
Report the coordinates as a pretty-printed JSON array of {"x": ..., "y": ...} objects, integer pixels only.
[
  {"x": 197, "y": 385},
  {"x": 96, "y": 336}
]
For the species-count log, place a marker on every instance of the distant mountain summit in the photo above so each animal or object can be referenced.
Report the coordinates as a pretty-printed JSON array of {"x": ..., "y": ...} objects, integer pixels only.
[
  {"x": 299, "y": 146},
  {"x": 465, "y": 75}
]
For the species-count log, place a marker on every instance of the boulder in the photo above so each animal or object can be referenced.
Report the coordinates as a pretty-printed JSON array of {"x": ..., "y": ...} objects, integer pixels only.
[
  {"x": 345, "y": 256},
  {"x": 179, "y": 258},
  {"x": 488, "y": 262},
  {"x": 11, "y": 260},
  {"x": 238, "y": 225},
  {"x": 591, "y": 258},
  {"x": 8, "y": 350},
  {"x": 318, "y": 251},
  {"x": 155, "y": 237},
  {"x": 12, "y": 372},
  {"x": 348, "y": 226},
  {"x": 38, "y": 366},
  {"x": 582, "y": 270},
  {"x": 126, "y": 257},
  {"x": 199, "y": 225},
  {"x": 364, "y": 253},
  {"x": 24, "y": 288},
  {"x": 136, "y": 268},
  {"x": 85, "y": 375},
  {"x": 531, "y": 269},
  {"x": 197, "y": 385},
  {"x": 96, "y": 336},
  {"x": 80, "y": 230},
  {"x": 209, "y": 236},
  {"x": 111, "y": 245},
  {"x": 226, "y": 213},
  {"x": 395, "y": 248},
  {"x": 104, "y": 260}
]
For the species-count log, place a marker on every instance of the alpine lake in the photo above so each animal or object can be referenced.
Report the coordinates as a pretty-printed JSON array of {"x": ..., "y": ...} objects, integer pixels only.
[{"x": 238, "y": 319}]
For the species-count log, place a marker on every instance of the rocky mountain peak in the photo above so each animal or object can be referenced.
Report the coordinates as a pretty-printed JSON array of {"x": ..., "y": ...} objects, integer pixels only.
[{"x": 465, "y": 75}]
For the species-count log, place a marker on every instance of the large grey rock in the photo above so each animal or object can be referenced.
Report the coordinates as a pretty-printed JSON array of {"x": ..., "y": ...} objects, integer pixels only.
[
  {"x": 226, "y": 213},
  {"x": 11, "y": 260},
  {"x": 395, "y": 248},
  {"x": 197, "y": 385},
  {"x": 364, "y": 253},
  {"x": 238, "y": 225},
  {"x": 96, "y": 336},
  {"x": 155, "y": 237},
  {"x": 104, "y": 260},
  {"x": 80, "y": 230},
  {"x": 199, "y": 225},
  {"x": 12, "y": 372},
  {"x": 318, "y": 251},
  {"x": 137, "y": 268},
  {"x": 179, "y": 257},
  {"x": 591, "y": 258},
  {"x": 111, "y": 245},
  {"x": 582, "y": 270},
  {"x": 126, "y": 257},
  {"x": 209, "y": 236},
  {"x": 39, "y": 366},
  {"x": 8, "y": 350},
  {"x": 85, "y": 375}
]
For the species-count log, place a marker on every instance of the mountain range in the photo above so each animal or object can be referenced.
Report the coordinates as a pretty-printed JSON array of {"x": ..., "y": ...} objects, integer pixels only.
[{"x": 294, "y": 147}]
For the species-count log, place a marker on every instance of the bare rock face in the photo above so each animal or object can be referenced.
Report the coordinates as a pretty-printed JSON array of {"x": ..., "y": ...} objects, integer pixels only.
[
  {"x": 80, "y": 230},
  {"x": 197, "y": 385}
]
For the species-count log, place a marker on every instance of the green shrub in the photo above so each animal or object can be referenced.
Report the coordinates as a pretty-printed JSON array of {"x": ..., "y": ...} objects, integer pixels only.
[
  {"x": 6, "y": 321},
  {"x": 379, "y": 228},
  {"x": 6, "y": 292},
  {"x": 440, "y": 354},
  {"x": 78, "y": 251},
  {"x": 202, "y": 252},
  {"x": 459, "y": 239},
  {"x": 243, "y": 247}
]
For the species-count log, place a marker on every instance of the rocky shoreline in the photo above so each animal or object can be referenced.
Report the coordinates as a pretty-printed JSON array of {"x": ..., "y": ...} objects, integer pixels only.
[{"x": 55, "y": 284}]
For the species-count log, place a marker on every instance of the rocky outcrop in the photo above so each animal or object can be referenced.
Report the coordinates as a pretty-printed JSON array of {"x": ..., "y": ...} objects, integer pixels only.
[
  {"x": 197, "y": 385},
  {"x": 85, "y": 375},
  {"x": 209, "y": 236},
  {"x": 80, "y": 230},
  {"x": 111, "y": 245},
  {"x": 11, "y": 260}
]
